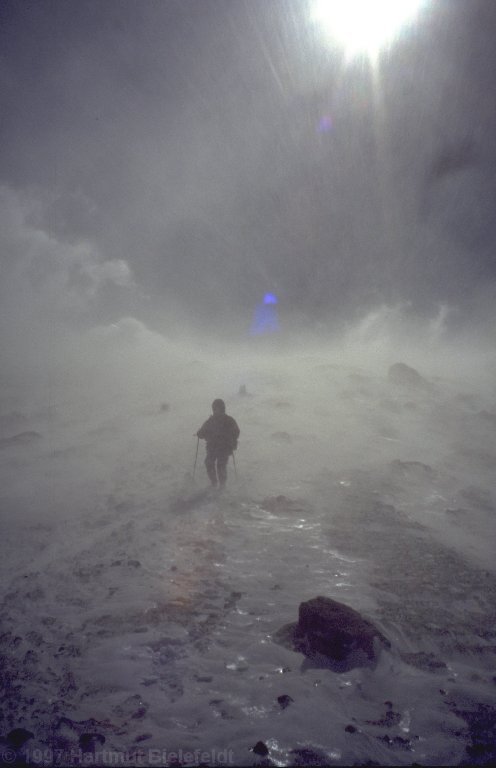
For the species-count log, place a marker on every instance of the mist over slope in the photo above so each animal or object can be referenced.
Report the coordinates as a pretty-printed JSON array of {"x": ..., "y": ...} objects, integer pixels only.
[{"x": 139, "y": 610}]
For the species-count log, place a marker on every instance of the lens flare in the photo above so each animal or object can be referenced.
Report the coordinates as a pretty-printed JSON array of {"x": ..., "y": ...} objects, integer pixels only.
[
  {"x": 270, "y": 298},
  {"x": 265, "y": 318}
]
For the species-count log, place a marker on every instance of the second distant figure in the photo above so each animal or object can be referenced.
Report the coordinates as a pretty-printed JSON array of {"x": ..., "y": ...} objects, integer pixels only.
[{"x": 221, "y": 433}]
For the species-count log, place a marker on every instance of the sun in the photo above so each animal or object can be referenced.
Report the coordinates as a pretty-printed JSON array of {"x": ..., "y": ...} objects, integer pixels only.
[{"x": 364, "y": 27}]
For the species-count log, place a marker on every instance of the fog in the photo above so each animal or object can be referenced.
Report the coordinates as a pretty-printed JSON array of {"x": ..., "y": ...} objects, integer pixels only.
[
  {"x": 168, "y": 162},
  {"x": 140, "y": 613},
  {"x": 207, "y": 199}
]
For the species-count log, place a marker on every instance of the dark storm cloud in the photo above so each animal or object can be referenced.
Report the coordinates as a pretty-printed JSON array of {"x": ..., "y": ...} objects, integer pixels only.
[{"x": 222, "y": 149}]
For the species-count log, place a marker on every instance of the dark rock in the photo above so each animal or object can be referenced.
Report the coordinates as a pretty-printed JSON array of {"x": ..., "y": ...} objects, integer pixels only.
[
  {"x": 68, "y": 650},
  {"x": 164, "y": 407},
  {"x": 143, "y": 737},
  {"x": 330, "y": 630},
  {"x": 18, "y": 737},
  {"x": 260, "y": 749},
  {"x": 481, "y": 721},
  {"x": 89, "y": 741},
  {"x": 134, "y": 563},
  {"x": 389, "y": 719},
  {"x": 396, "y": 741},
  {"x": 284, "y": 701},
  {"x": 404, "y": 376},
  {"x": 350, "y": 729}
]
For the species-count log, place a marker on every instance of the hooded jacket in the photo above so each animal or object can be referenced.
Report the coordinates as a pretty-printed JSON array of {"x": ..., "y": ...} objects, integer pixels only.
[{"x": 221, "y": 433}]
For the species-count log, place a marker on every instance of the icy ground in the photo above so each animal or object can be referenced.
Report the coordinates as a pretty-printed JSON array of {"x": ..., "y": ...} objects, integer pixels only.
[{"x": 139, "y": 613}]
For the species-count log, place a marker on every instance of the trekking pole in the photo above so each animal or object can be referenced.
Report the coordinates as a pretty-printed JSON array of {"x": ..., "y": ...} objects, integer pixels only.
[
  {"x": 234, "y": 462},
  {"x": 196, "y": 459}
]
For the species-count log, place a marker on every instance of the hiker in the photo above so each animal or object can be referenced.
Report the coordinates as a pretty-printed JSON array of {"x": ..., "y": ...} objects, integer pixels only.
[{"x": 221, "y": 433}]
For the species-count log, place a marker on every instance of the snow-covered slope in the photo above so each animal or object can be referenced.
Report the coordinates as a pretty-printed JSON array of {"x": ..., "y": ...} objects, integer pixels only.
[{"x": 140, "y": 612}]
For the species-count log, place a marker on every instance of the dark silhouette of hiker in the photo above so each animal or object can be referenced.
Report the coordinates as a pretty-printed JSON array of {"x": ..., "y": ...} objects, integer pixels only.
[{"x": 221, "y": 433}]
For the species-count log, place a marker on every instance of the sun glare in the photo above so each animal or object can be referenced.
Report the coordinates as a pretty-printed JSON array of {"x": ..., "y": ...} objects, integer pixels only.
[{"x": 364, "y": 27}]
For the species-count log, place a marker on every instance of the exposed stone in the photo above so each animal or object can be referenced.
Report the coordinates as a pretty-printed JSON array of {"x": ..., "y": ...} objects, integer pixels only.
[
  {"x": 389, "y": 719},
  {"x": 90, "y": 741},
  {"x": 396, "y": 741},
  {"x": 260, "y": 749},
  {"x": 481, "y": 722},
  {"x": 284, "y": 701},
  {"x": 18, "y": 737},
  {"x": 330, "y": 630}
]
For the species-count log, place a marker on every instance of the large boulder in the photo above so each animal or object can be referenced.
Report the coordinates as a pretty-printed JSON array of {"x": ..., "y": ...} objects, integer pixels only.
[{"x": 337, "y": 632}]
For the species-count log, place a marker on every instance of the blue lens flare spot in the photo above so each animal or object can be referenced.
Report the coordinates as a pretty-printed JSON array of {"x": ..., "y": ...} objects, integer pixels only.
[
  {"x": 265, "y": 318},
  {"x": 270, "y": 298}
]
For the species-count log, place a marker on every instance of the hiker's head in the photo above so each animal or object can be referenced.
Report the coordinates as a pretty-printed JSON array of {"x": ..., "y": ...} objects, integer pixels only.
[{"x": 218, "y": 406}]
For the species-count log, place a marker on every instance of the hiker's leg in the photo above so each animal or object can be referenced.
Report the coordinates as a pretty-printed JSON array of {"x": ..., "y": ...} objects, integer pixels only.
[
  {"x": 222, "y": 468},
  {"x": 210, "y": 466}
]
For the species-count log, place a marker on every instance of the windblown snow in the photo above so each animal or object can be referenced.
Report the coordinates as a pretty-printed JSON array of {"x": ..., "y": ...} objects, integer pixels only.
[{"x": 139, "y": 612}]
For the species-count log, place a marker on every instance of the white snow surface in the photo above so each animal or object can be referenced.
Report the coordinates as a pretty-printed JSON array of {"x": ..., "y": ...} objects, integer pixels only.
[{"x": 140, "y": 607}]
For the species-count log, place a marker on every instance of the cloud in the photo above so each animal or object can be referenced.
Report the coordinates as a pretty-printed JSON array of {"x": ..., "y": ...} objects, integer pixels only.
[
  {"x": 42, "y": 274},
  {"x": 127, "y": 329},
  {"x": 115, "y": 271},
  {"x": 176, "y": 160},
  {"x": 50, "y": 288}
]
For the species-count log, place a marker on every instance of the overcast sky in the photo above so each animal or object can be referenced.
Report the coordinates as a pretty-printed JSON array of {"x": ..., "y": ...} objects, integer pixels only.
[{"x": 183, "y": 157}]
